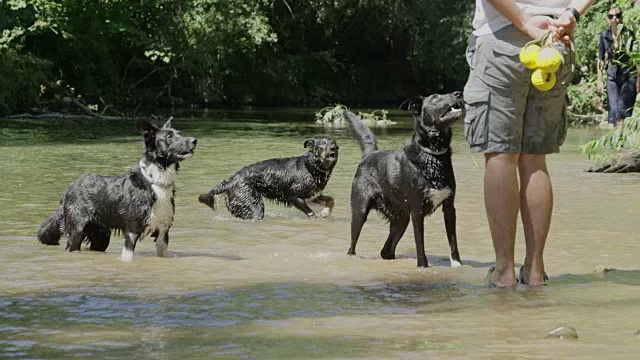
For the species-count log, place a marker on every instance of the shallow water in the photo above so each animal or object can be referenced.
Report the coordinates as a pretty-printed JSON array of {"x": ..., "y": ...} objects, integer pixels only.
[{"x": 284, "y": 287}]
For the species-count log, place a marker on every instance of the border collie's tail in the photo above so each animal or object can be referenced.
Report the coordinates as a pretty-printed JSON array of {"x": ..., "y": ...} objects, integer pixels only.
[
  {"x": 362, "y": 133},
  {"x": 209, "y": 198},
  {"x": 51, "y": 230}
]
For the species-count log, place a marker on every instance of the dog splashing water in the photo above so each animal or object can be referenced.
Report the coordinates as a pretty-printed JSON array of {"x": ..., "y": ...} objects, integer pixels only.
[{"x": 290, "y": 181}]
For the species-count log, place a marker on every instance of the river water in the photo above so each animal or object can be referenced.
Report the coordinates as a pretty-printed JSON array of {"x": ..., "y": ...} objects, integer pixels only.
[{"x": 284, "y": 287}]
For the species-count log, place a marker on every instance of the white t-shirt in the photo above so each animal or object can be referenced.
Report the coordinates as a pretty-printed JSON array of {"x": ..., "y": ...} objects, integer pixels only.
[{"x": 487, "y": 19}]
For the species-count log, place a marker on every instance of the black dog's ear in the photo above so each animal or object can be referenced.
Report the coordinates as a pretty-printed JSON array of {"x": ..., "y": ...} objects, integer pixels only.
[
  {"x": 412, "y": 104},
  {"x": 144, "y": 125},
  {"x": 167, "y": 125},
  {"x": 309, "y": 143}
]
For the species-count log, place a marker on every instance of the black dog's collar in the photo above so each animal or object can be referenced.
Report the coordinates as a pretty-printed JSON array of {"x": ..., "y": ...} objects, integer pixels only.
[
  {"x": 431, "y": 132},
  {"x": 433, "y": 152},
  {"x": 315, "y": 163},
  {"x": 320, "y": 169}
]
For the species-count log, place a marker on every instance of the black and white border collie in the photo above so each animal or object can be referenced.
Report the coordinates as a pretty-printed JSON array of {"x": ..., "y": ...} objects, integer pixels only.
[{"x": 137, "y": 204}]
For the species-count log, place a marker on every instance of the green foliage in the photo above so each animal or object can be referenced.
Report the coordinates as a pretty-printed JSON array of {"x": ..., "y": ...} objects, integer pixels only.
[
  {"x": 592, "y": 23},
  {"x": 378, "y": 117},
  {"x": 20, "y": 80},
  {"x": 242, "y": 52},
  {"x": 584, "y": 97},
  {"x": 334, "y": 116},
  {"x": 609, "y": 145},
  {"x": 331, "y": 114},
  {"x": 440, "y": 42}
]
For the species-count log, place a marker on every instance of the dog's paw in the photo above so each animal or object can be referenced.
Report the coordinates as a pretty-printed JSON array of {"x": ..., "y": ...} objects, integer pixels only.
[
  {"x": 325, "y": 212},
  {"x": 127, "y": 255},
  {"x": 455, "y": 263}
]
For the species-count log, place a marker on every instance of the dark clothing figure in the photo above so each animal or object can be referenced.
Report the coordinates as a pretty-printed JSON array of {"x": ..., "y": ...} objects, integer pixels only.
[{"x": 621, "y": 74}]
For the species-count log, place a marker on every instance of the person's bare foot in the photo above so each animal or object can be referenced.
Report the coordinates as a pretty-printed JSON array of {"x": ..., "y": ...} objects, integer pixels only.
[
  {"x": 499, "y": 280},
  {"x": 532, "y": 279}
]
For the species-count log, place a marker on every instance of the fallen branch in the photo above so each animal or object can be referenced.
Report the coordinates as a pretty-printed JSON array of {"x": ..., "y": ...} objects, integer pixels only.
[
  {"x": 88, "y": 113},
  {"x": 586, "y": 119},
  {"x": 55, "y": 115},
  {"x": 624, "y": 163}
]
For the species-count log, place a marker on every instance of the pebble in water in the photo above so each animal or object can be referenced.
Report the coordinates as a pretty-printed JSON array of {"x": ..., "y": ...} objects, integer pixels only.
[{"x": 563, "y": 333}]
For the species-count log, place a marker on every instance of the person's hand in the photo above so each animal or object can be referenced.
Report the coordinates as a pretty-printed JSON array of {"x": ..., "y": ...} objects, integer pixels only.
[
  {"x": 600, "y": 88},
  {"x": 565, "y": 26},
  {"x": 538, "y": 26}
]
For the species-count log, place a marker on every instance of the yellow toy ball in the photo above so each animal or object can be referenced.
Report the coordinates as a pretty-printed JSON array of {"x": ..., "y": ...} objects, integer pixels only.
[
  {"x": 543, "y": 80},
  {"x": 528, "y": 55},
  {"x": 548, "y": 59}
]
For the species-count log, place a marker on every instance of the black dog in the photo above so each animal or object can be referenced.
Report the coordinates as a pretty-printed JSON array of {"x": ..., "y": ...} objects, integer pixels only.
[
  {"x": 138, "y": 203},
  {"x": 289, "y": 181},
  {"x": 412, "y": 182}
]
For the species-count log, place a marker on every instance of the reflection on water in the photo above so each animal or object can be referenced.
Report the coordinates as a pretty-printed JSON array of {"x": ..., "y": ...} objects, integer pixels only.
[{"x": 284, "y": 287}]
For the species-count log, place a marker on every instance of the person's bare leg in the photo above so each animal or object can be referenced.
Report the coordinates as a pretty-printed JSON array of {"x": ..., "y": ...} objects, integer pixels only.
[
  {"x": 536, "y": 206},
  {"x": 502, "y": 203}
]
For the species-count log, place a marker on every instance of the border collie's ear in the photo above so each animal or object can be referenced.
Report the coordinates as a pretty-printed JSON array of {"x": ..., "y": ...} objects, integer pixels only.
[
  {"x": 149, "y": 131},
  {"x": 145, "y": 126},
  {"x": 309, "y": 143},
  {"x": 167, "y": 125},
  {"x": 411, "y": 104}
]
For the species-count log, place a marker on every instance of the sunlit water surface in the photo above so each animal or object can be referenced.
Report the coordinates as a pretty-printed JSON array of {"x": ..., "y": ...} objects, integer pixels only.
[{"x": 284, "y": 287}]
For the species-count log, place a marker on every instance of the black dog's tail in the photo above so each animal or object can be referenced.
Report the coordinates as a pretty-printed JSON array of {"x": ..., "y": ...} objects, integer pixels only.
[
  {"x": 362, "y": 133},
  {"x": 209, "y": 198},
  {"x": 51, "y": 230}
]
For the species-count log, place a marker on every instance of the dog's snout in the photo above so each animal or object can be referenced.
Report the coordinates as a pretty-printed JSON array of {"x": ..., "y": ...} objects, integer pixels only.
[
  {"x": 331, "y": 153},
  {"x": 193, "y": 141},
  {"x": 458, "y": 94}
]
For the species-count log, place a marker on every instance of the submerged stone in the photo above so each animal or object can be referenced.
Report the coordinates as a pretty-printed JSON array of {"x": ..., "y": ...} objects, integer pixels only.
[
  {"x": 563, "y": 333},
  {"x": 600, "y": 269}
]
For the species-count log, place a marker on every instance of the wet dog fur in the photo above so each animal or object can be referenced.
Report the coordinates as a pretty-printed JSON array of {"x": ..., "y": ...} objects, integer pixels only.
[
  {"x": 137, "y": 204},
  {"x": 412, "y": 182},
  {"x": 291, "y": 181}
]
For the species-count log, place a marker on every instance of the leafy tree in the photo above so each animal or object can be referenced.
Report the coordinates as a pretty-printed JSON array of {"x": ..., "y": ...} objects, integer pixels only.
[
  {"x": 619, "y": 149},
  {"x": 263, "y": 52}
]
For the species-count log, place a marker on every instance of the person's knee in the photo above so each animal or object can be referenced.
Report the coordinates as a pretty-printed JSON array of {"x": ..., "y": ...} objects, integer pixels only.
[
  {"x": 531, "y": 163},
  {"x": 533, "y": 158},
  {"x": 501, "y": 158}
]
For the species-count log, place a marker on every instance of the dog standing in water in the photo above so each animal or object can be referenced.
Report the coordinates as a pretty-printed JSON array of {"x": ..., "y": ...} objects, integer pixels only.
[
  {"x": 137, "y": 204},
  {"x": 290, "y": 181},
  {"x": 412, "y": 182}
]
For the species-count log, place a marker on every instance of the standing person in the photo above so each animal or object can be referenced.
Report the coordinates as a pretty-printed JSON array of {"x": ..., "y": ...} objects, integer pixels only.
[
  {"x": 623, "y": 79},
  {"x": 515, "y": 125}
]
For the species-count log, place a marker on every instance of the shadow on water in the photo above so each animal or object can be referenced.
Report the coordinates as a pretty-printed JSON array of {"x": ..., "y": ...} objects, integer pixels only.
[
  {"x": 64, "y": 324},
  {"x": 622, "y": 277},
  {"x": 444, "y": 261},
  {"x": 240, "y": 321}
]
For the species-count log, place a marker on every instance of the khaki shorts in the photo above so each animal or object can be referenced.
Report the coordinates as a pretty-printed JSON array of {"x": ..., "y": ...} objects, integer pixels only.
[{"x": 505, "y": 113}]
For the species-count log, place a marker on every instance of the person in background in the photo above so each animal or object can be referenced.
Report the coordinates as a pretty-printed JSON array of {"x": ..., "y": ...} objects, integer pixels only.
[
  {"x": 623, "y": 78},
  {"x": 515, "y": 125}
]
